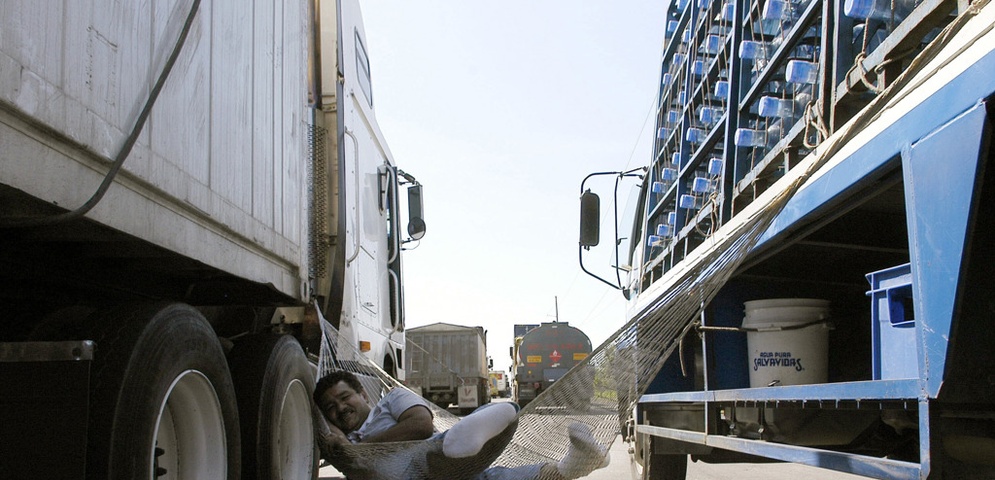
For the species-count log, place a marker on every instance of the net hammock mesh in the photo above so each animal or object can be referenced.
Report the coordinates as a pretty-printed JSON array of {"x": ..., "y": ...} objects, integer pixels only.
[{"x": 602, "y": 391}]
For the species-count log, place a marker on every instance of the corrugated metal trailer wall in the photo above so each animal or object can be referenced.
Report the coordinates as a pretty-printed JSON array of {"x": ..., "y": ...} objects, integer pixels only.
[{"x": 220, "y": 166}]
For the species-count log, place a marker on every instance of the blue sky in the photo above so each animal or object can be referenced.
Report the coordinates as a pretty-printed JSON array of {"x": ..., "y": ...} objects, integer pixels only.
[{"x": 500, "y": 109}]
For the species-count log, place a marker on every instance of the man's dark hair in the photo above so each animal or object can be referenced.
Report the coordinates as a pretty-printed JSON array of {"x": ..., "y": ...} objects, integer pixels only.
[{"x": 330, "y": 380}]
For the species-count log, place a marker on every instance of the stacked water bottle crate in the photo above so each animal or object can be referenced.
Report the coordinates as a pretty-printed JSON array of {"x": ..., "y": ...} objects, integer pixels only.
[
  {"x": 780, "y": 73},
  {"x": 876, "y": 41},
  {"x": 736, "y": 79},
  {"x": 750, "y": 87},
  {"x": 686, "y": 176}
]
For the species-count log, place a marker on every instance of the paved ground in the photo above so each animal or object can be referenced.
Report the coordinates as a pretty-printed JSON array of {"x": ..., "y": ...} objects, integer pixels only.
[{"x": 620, "y": 468}]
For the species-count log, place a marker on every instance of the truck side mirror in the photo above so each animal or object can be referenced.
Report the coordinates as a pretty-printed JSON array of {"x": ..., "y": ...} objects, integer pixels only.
[
  {"x": 590, "y": 219},
  {"x": 416, "y": 223}
]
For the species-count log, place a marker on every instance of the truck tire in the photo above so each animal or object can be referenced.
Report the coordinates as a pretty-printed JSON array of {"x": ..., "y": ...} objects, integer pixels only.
[
  {"x": 162, "y": 400},
  {"x": 273, "y": 384}
]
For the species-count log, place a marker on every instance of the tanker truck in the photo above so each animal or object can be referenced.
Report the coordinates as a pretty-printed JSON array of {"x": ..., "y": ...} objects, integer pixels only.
[
  {"x": 187, "y": 190},
  {"x": 544, "y": 354}
]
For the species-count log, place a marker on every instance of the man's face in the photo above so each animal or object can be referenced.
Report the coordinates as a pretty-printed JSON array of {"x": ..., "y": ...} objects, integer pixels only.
[{"x": 344, "y": 407}]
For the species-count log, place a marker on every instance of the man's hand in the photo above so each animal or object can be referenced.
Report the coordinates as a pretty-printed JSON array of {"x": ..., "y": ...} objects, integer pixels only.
[{"x": 332, "y": 438}]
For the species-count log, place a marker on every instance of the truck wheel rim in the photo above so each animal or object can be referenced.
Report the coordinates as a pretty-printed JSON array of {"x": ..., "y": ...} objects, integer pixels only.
[
  {"x": 295, "y": 440},
  {"x": 190, "y": 431}
]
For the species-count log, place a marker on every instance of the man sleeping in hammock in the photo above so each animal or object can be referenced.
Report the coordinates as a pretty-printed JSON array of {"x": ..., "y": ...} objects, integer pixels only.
[{"x": 465, "y": 451}]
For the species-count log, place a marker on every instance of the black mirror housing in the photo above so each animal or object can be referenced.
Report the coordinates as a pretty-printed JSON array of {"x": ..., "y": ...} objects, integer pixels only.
[
  {"x": 416, "y": 221},
  {"x": 590, "y": 219}
]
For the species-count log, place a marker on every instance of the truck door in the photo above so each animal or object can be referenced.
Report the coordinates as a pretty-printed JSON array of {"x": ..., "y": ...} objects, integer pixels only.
[{"x": 369, "y": 184}]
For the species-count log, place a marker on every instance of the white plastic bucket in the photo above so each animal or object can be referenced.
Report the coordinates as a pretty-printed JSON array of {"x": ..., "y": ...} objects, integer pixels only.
[{"x": 787, "y": 357}]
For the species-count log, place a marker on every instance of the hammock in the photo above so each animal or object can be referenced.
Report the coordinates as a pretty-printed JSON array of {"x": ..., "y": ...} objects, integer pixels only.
[{"x": 602, "y": 390}]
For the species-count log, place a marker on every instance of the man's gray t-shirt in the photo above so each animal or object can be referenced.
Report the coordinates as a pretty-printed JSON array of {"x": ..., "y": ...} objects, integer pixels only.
[{"x": 384, "y": 415}]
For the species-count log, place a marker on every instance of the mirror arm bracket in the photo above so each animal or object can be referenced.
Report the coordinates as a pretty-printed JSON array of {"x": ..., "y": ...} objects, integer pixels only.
[{"x": 580, "y": 249}]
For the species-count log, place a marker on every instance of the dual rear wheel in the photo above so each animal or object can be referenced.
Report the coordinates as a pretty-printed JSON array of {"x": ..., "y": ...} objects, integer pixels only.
[
  {"x": 164, "y": 404},
  {"x": 273, "y": 382}
]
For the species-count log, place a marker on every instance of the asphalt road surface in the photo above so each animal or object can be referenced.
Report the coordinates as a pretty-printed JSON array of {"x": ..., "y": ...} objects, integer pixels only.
[{"x": 620, "y": 468}]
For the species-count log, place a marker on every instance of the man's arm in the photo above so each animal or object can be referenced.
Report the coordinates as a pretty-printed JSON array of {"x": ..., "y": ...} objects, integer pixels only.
[{"x": 415, "y": 423}]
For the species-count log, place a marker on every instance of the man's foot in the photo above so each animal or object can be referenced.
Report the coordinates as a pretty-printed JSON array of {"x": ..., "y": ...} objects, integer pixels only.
[
  {"x": 585, "y": 454},
  {"x": 469, "y": 435}
]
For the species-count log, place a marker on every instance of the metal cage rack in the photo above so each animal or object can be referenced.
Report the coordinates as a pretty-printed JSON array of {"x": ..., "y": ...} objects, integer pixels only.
[{"x": 748, "y": 88}]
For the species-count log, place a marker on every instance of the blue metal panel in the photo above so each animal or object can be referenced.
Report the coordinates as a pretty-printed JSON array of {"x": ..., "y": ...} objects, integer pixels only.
[
  {"x": 727, "y": 310},
  {"x": 671, "y": 378},
  {"x": 955, "y": 98},
  {"x": 925, "y": 439},
  {"x": 940, "y": 176}
]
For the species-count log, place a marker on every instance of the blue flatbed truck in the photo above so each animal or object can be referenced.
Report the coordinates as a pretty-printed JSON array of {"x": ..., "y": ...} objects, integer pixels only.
[{"x": 891, "y": 229}]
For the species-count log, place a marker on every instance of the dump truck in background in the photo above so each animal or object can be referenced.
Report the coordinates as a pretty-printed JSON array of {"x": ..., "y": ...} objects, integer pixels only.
[
  {"x": 187, "y": 190},
  {"x": 821, "y": 192},
  {"x": 448, "y": 365},
  {"x": 543, "y": 354}
]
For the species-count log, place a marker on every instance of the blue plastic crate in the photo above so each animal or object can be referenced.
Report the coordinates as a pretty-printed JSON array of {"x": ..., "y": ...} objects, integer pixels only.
[{"x": 893, "y": 326}]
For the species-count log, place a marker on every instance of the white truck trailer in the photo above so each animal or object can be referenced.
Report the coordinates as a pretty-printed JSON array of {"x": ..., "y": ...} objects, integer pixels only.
[{"x": 187, "y": 188}]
